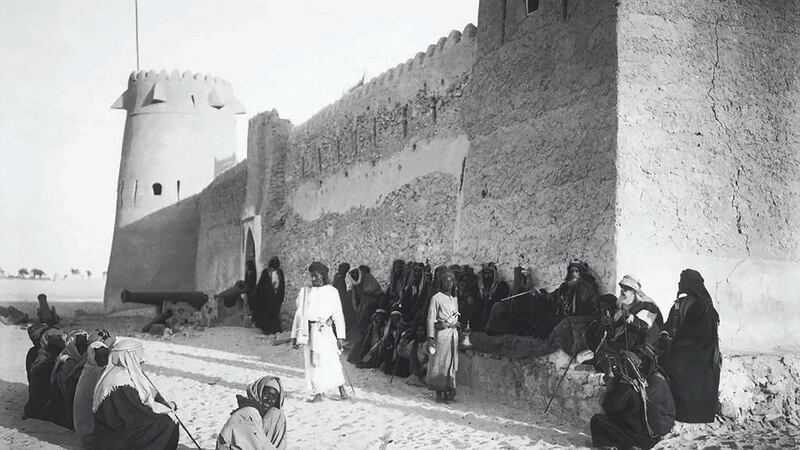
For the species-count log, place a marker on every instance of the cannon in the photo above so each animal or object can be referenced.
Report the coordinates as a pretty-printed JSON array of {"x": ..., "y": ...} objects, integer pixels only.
[
  {"x": 231, "y": 295},
  {"x": 195, "y": 299}
]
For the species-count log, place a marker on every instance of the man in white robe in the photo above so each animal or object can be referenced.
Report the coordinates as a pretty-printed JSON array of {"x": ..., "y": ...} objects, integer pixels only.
[{"x": 318, "y": 308}]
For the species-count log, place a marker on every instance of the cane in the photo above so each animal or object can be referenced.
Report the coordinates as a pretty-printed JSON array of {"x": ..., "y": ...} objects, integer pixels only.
[
  {"x": 173, "y": 412},
  {"x": 559, "y": 383}
]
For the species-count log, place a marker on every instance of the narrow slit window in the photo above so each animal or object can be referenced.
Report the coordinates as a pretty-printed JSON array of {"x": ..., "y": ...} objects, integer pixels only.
[
  {"x": 121, "y": 193},
  {"x": 178, "y": 189},
  {"x": 156, "y": 188},
  {"x": 135, "y": 191},
  {"x": 531, "y": 6}
]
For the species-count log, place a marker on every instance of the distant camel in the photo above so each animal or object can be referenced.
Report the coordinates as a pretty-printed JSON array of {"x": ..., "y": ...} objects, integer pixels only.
[
  {"x": 23, "y": 272},
  {"x": 88, "y": 274},
  {"x": 37, "y": 273}
]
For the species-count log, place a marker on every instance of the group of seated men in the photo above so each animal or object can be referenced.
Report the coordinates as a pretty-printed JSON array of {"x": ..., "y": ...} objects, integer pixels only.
[
  {"x": 657, "y": 372},
  {"x": 93, "y": 384}
]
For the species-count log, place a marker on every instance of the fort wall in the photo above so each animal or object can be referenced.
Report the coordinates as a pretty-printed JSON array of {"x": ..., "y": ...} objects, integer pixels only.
[
  {"x": 539, "y": 185},
  {"x": 375, "y": 176},
  {"x": 220, "y": 241},
  {"x": 709, "y": 158}
]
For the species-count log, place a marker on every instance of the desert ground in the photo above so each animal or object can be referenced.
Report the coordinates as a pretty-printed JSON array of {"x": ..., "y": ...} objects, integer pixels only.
[{"x": 202, "y": 371}]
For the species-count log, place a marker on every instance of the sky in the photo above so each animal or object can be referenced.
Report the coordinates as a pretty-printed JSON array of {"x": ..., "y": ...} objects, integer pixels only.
[{"x": 65, "y": 62}]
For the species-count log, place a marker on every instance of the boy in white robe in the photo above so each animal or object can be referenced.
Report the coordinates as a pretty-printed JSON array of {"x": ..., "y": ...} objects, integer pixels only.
[{"x": 318, "y": 309}]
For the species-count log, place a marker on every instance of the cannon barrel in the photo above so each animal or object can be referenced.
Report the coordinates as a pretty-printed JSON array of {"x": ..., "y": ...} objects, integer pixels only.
[
  {"x": 196, "y": 299},
  {"x": 231, "y": 295}
]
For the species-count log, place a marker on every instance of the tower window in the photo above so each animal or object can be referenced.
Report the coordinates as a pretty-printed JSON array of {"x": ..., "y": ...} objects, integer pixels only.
[
  {"x": 531, "y": 6},
  {"x": 178, "y": 189},
  {"x": 156, "y": 188}
]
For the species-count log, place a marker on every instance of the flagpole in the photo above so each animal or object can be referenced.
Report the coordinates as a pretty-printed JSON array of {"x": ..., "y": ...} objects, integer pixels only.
[{"x": 136, "y": 13}]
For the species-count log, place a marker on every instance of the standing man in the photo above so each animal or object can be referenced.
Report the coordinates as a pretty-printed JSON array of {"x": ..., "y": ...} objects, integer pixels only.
[
  {"x": 318, "y": 309},
  {"x": 340, "y": 283},
  {"x": 443, "y": 340},
  {"x": 270, "y": 293},
  {"x": 692, "y": 361}
]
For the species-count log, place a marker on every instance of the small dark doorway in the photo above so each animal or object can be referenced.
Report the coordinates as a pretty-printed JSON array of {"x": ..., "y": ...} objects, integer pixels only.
[{"x": 249, "y": 247}]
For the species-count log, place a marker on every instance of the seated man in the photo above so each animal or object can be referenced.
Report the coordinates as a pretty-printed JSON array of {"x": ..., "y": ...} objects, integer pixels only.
[
  {"x": 83, "y": 419},
  {"x": 636, "y": 323},
  {"x": 51, "y": 343},
  {"x": 258, "y": 423},
  {"x": 577, "y": 296},
  {"x": 518, "y": 313},
  {"x": 491, "y": 289},
  {"x": 62, "y": 381},
  {"x": 638, "y": 407}
]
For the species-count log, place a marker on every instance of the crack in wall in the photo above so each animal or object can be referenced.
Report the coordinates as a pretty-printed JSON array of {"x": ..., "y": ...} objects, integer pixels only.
[{"x": 735, "y": 198}]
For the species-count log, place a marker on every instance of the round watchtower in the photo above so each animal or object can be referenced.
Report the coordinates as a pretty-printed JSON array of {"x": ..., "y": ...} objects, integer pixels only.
[{"x": 177, "y": 125}]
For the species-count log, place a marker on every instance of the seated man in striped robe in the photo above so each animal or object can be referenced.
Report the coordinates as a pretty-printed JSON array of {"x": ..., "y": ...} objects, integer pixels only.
[{"x": 635, "y": 326}]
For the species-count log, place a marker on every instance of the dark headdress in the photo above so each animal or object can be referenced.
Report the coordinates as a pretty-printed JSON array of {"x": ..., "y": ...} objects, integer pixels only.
[
  {"x": 322, "y": 269},
  {"x": 691, "y": 282}
]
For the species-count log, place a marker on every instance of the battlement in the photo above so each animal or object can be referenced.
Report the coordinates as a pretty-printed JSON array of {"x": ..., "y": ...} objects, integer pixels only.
[
  {"x": 167, "y": 92},
  {"x": 433, "y": 71}
]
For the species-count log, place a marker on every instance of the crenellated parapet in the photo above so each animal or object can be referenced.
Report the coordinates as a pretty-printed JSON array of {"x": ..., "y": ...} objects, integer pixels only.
[
  {"x": 432, "y": 71},
  {"x": 169, "y": 92}
]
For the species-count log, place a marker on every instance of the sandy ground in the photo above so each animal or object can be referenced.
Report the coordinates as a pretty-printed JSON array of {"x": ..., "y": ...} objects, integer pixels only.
[{"x": 203, "y": 371}]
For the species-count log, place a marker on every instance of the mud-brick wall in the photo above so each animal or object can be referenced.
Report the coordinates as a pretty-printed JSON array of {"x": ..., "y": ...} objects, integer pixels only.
[
  {"x": 220, "y": 246},
  {"x": 540, "y": 113},
  {"x": 709, "y": 158},
  {"x": 375, "y": 176}
]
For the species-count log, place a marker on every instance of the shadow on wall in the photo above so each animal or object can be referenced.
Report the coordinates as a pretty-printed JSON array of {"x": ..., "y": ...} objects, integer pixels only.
[{"x": 155, "y": 253}]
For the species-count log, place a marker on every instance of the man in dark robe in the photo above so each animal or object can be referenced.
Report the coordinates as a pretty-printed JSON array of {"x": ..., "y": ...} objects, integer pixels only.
[
  {"x": 366, "y": 295},
  {"x": 520, "y": 314},
  {"x": 491, "y": 289},
  {"x": 340, "y": 283},
  {"x": 62, "y": 382},
  {"x": 468, "y": 298},
  {"x": 637, "y": 409},
  {"x": 270, "y": 293},
  {"x": 394, "y": 291},
  {"x": 35, "y": 334},
  {"x": 692, "y": 361},
  {"x": 371, "y": 351},
  {"x": 389, "y": 359},
  {"x": 413, "y": 291},
  {"x": 51, "y": 344},
  {"x": 577, "y": 296},
  {"x": 250, "y": 281}
]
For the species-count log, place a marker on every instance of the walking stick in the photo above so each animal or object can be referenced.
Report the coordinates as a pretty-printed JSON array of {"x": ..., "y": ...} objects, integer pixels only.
[
  {"x": 572, "y": 358},
  {"x": 180, "y": 422}
]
